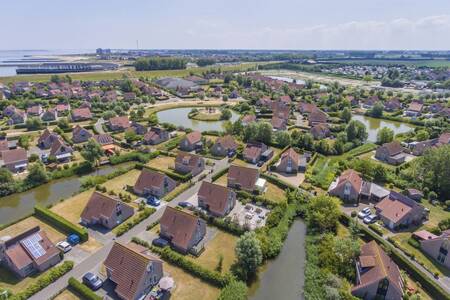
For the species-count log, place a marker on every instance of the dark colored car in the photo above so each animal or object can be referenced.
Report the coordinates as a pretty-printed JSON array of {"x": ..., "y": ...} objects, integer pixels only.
[
  {"x": 153, "y": 201},
  {"x": 159, "y": 242},
  {"x": 92, "y": 281},
  {"x": 185, "y": 204},
  {"x": 260, "y": 163}
]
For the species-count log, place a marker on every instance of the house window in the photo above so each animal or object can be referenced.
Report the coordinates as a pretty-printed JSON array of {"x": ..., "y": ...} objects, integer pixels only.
[{"x": 383, "y": 287}]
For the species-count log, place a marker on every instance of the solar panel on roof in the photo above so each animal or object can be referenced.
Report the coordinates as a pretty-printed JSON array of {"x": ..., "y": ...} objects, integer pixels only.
[{"x": 32, "y": 245}]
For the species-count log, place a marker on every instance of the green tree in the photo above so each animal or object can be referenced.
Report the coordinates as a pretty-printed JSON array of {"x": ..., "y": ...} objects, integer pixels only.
[
  {"x": 63, "y": 123},
  {"x": 422, "y": 135},
  {"x": 33, "y": 123},
  {"x": 322, "y": 213},
  {"x": 356, "y": 132},
  {"x": 92, "y": 152},
  {"x": 36, "y": 174},
  {"x": 7, "y": 183},
  {"x": 385, "y": 135},
  {"x": 377, "y": 110},
  {"x": 346, "y": 115},
  {"x": 24, "y": 141},
  {"x": 264, "y": 132},
  {"x": 226, "y": 114},
  {"x": 248, "y": 254},
  {"x": 108, "y": 114},
  {"x": 234, "y": 290},
  {"x": 282, "y": 138}
]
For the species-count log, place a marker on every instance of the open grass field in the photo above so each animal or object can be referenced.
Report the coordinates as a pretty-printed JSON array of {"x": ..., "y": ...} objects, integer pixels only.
[
  {"x": 53, "y": 234},
  {"x": 222, "y": 180},
  {"x": 274, "y": 193},
  {"x": 71, "y": 209},
  {"x": 162, "y": 162},
  {"x": 222, "y": 244},
  {"x": 118, "y": 183},
  {"x": 188, "y": 287},
  {"x": 111, "y": 75}
]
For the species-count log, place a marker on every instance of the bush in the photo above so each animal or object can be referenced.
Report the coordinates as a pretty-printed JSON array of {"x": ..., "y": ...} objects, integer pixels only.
[
  {"x": 413, "y": 242},
  {"x": 376, "y": 228},
  {"x": 60, "y": 222},
  {"x": 82, "y": 290},
  {"x": 44, "y": 281},
  {"x": 122, "y": 228},
  {"x": 219, "y": 174},
  {"x": 132, "y": 156},
  {"x": 173, "y": 175},
  {"x": 234, "y": 290}
]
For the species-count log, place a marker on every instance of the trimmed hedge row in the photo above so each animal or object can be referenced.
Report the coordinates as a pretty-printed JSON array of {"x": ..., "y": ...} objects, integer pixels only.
[
  {"x": 173, "y": 175},
  {"x": 278, "y": 182},
  {"x": 132, "y": 156},
  {"x": 219, "y": 174},
  {"x": 169, "y": 197},
  {"x": 257, "y": 198},
  {"x": 44, "y": 281},
  {"x": 189, "y": 266},
  {"x": 376, "y": 229},
  {"x": 124, "y": 227},
  {"x": 60, "y": 222},
  {"x": 82, "y": 290},
  {"x": 434, "y": 289}
]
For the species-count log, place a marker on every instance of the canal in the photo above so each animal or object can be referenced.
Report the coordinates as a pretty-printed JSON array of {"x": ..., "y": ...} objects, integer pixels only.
[
  {"x": 374, "y": 124},
  {"x": 19, "y": 205},
  {"x": 179, "y": 117},
  {"x": 283, "y": 277}
]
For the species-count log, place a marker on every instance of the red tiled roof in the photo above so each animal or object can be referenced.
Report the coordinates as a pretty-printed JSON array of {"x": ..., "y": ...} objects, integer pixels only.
[
  {"x": 194, "y": 137},
  {"x": 215, "y": 196},
  {"x": 292, "y": 154},
  {"x": 15, "y": 155},
  {"x": 227, "y": 142},
  {"x": 99, "y": 205},
  {"x": 147, "y": 179},
  {"x": 180, "y": 226},
  {"x": 121, "y": 122},
  {"x": 246, "y": 177}
]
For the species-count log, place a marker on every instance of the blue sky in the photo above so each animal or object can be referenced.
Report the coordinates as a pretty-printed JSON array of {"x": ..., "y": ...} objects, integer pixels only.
[{"x": 230, "y": 24}]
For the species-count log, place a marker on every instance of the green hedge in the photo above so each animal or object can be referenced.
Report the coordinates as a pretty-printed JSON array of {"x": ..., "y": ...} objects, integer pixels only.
[
  {"x": 376, "y": 229},
  {"x": 173, "y": 175},
  {"x": 60, "y": 222},
  {"x": 170, "y": 196},
  {"x": 430, "y": 285},
  {"x": 219, "y": 174},
  {"x": 44, "y": 281},
  {"x": 124, "y": 227},
  {"x": 187, "y": 265},
  {"x": 278, "y": 182},
  {"x": 82, "y": 290},
  {"x": 132, "y": 156},
  {"x": 256, "y": 198}
]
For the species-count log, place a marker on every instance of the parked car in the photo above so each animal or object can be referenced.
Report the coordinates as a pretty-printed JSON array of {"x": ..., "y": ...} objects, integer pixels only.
[
  {"x": 364, "y": 213},
  {"x": 64, "y": 246},
  {"x": 92, "y": 281},
  {"x": 370, "y": 219},
  {"x": 153, "y": 201},
  {"x": 260, "y": 163},
  {"x": 159, "y": 242},
  {"x": 185, "y": 204},
  {"x": 73, "y": 239}
]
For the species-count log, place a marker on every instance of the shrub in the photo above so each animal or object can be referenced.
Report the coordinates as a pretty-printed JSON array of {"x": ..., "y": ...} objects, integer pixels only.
[
  {"x": 413, "y": 242},
  {"x": 142, "y": 215},
  {"x": 60, "y": 222},
  {"x": 234, "y": 290},
  {"x": 83, "y": 290},
  {"x": 173, "y": 175},
  {"x": 132, "y": 156},
  {"x": 44, "y": 281},
  {"x": 377, "y": 229},
  {"x": 353, "y": 214}
]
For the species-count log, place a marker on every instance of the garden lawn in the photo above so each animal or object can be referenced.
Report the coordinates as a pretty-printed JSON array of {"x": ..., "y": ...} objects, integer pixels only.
[
  {"x": 188, "y": 287},
  {"x": 178, "y": 190},
  {"x": 274, "y": 193},
  {"x": 223, "y": 244},
  {"x": 420, "y": 257},
  {"x": 163, "y": 163},
  {"x": 222, "y": 180},
  {"x": 437, "y": 214},
  {"x": 119, "y": 183},
  {"x": 67, "y": 294},
  {"x": 71, "y": 209},
  {"x": 53, "y": 234}
]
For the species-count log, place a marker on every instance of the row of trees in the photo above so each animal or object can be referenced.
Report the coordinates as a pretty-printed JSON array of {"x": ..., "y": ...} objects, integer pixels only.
[{"x": 160, "y": 63}]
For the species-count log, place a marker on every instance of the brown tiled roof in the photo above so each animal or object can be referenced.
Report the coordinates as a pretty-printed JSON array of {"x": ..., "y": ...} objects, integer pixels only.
[
  {"x": 99, "y": 205},
  {"x": 415, "y": 106},
  {"x": 4, "y": 145},
  {"x": 78, "y": 129},
  {"x": 215, "y": 196},
  {"x": 227, "y": 142},
  {"x": 127, "y": 266},
  {"x": 147, "y": 179},
  {"x": 103, "y": 139},
  {"x": 306, "y": 107},
  {"x": 277, "y": 122},
  {"x": 194, "y": 137},
  {"x": 424, "y": 235},
  {"x": 15, "y": 155},
  {"x": 180, "y": 226},
  {"x": 444, "y": 139},
  {"x": 392, "y": 209},
  {"x": 246, "y": 177},
  {"x": 393, "y": 148},
  {"x": 57, "y": 145},
  {"x": 318, "y": 116},
  {"x": 352, "y": 177},
  {"x": 187, "y": 158},
  {"x": 82, "y": 113},
  {"x": 285, "y": 99},
  {"x": 252, "y": 150},
  {"x": 121, "y": 122},
  {"x": 34, "y": 109},
  {"x": 62, "y": 107},
  {"x": 292, "y": 154},
  {"x": 248, "y": 119},
  {"x": 153, "y": 133},
  {"x": 383, "y": 267}
]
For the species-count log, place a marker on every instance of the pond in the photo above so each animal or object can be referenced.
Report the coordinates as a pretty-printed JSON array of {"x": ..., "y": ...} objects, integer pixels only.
[
  {"x": 19, "y": 205},
  {"x": 373, "y": 124},
  {"x": 179, "y": 117},
  {"x": 283, "y": 277}
]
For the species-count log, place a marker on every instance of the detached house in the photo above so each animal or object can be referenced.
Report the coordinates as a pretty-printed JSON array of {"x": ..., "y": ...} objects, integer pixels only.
[
  {"x": 247, "y": 119},
  {"x": 47, "y": 139},
  {"x": 392, "y": 105},
  {"x": 347, "y": 187},
  {"x": 437, "y": 247},
  {"x": 414, "y": 109},
  {"x": 61, "y": 150},
  {"x": 119, "y": 123},
  {"x": 80, "y": 134},
  {"x": 183, "y": 230},
  {"x": 153, "y": 183},
  {"x": 392, "y": 153},
  {"x": 189, "y": 163},
  {"x": 306, "y": 108},
  {"x": 133, "y": 270},
  {"x": 35, "y": 111},
  {"x": 81, "y": 114},
  {"x": 253, "y": 152},
  {"x": 289, "y": 162},
  {"x": 216, "y": 199},
  {"x": 224, "y": 146},
  {"x": 49, "y": 115},
  {"x": 17, "y": 117},
  {"x": 156, "y": 136},
  {"x": 278, "y": 123},
  {"x": 15, "y": 160},
  {"x": 245, "y": 178},
  {"x": 377, "y": 276},
  {"x": 29, "y": 252},
  {"x": 398, "y": 210},
  {"x": 320, "y": 131},
  {"x": 191, "y": 141},
  {"x": 317, "y": 116},
  {"x": 105, "y": 211}
]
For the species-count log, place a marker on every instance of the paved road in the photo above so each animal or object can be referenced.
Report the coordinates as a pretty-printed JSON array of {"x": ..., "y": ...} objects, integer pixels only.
[{"x": 100, "y": 255}]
